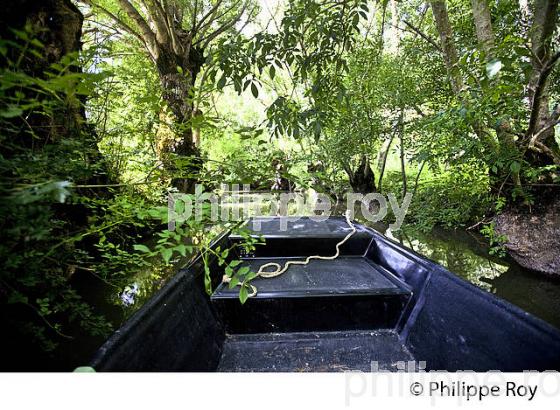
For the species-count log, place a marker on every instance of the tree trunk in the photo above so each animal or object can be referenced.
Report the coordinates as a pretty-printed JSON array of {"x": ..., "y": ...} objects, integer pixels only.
[
  {"x": 483, "y": 25},
  {"x": 418, "y": 175},
  {"x": 57, "y": 24},
  {"x": 395, "y": 32},
  {"x": 441, "y": 18},
  {"x": 382, "y": 161},
  {"x": 42, "y": 133},
  {"x": 362, "y": 180},
  {"x": 177, "y": 88}
]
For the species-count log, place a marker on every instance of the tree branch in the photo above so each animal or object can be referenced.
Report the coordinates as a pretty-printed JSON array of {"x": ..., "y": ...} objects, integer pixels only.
[
  {"x": 550, "y": 124},
  {"x": 539, "y": 89},
  {"x": 195, "y": 12},
  {"x": 157, "y": 15},
  {"x": 424, "y": 36},
  {"x": 212, "y": 11},
  {"x": 203, "y": 28},
  {"x": 146, "y": 33},
  {"x": 226, "y": 26},
  {"x": 115, "y": 18}
]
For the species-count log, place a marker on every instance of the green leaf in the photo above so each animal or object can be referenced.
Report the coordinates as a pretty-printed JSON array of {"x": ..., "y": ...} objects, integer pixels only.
[
  {"x": 515, "y": 167},
  {"x": 84, "y": 369},
  {"x": 222, "y": 81},
  {"x": 182, "y": 249},
  {"x": 233, "y": 282},
  {"x": 243, "y": 294},
  {"x": 254, "y": 90},
  {"x": 17, "y": 297},
  {"x": 11, "y": 111},
  {"x": 250, "y": 276},
  {"x": 141, "y": 248},
  {"x": 166, "y": 254},
  {"x": 243, "y": 270}
]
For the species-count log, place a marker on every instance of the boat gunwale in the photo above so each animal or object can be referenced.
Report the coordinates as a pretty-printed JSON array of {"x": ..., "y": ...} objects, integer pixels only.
[{"x": 434, "y": 267}]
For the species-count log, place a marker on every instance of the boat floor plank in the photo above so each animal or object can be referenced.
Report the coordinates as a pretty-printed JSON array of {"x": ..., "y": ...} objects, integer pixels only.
[{"x": 313, "y": 352}]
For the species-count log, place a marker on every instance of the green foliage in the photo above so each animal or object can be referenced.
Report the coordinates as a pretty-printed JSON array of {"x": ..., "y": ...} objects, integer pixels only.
[
  {"x": 127, "y": 112},
  {"x": 451, "y": 198},
  {"x": 242, "y": 276},
  {"x": 44, "y": 158},
  {"x": 497, "y": 241}
]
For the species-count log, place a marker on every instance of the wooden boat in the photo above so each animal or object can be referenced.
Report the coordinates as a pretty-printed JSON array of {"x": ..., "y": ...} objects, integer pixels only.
[{"x": 378, "y": 306}]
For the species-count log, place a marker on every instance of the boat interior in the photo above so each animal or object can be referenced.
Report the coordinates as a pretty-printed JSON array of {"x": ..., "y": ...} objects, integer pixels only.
[{"x": 377, "y": 307}]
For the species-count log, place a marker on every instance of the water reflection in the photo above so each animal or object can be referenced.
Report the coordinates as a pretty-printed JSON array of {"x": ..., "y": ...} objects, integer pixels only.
[
  {"x": 456, "y": 252},
  {"x": 142, "y": 286},
  {"x": 129, "y": 294}
]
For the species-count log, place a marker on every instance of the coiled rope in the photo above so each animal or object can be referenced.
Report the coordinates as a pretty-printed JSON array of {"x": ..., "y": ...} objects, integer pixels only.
[{"x": 279, "y": 270}]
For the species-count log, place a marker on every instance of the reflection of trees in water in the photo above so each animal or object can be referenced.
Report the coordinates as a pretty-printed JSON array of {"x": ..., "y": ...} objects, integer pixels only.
[
  {"x": 142, "y": 286},
  {"x": 455, "y": 253},
  {"x": 146, "y": 282}
]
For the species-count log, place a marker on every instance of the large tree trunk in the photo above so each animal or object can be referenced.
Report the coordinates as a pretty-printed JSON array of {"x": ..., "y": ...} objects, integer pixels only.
[
  {"x": 441, "y": 18},
  {"x": 177, "y": 90},
  {"x": 42, "y": 133},
  {"x": 57, "y": 24}
]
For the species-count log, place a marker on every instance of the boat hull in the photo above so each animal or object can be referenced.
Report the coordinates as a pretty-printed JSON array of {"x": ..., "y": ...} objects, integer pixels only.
[{"x": 415, "y": 311}]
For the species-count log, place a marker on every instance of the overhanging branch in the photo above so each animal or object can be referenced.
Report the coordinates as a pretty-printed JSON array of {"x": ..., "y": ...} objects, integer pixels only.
[{"x": 115, "y": 18}]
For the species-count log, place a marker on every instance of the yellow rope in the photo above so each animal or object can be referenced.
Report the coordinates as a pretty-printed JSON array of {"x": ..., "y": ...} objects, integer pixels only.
[{"x": 279, "y": 270}]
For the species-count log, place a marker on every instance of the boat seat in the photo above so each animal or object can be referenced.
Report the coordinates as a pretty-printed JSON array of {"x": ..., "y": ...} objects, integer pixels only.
[{"x": 348, "y": 293}]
